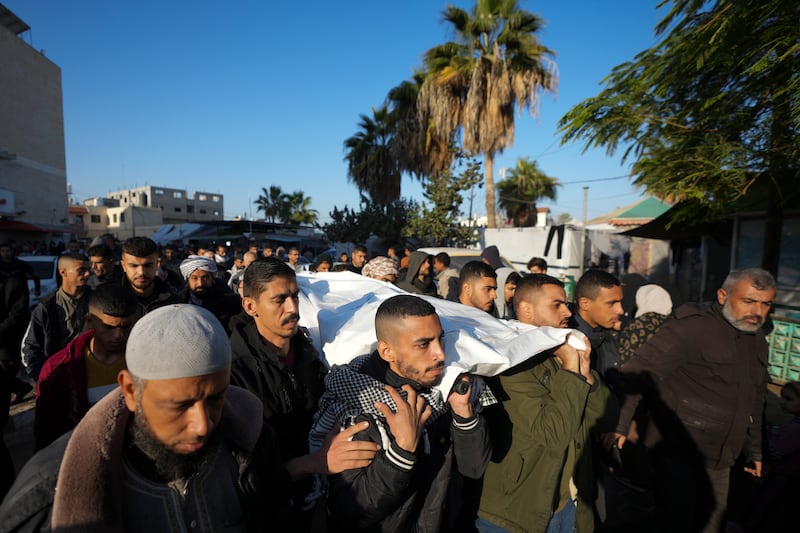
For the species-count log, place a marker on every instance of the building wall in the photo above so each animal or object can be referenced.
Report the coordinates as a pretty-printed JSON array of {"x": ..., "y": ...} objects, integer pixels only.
[
  {"x": 176, "y": 205},
  {"x": 32, "y": 153}
]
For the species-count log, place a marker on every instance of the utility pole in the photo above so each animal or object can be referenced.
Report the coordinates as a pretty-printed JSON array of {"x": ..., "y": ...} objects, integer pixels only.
[{"x": 583, "y": 229}]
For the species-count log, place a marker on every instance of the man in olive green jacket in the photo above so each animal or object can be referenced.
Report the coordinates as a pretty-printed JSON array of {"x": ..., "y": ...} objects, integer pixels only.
[{"x": 541, "y": 478}]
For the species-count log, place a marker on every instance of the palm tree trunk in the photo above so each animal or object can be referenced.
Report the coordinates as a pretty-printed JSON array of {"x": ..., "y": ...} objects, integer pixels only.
[{"x": 489, "y": 177}]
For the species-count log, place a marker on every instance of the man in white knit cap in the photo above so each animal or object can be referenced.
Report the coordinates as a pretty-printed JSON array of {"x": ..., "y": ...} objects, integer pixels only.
[{"x": 175, "y": 448}]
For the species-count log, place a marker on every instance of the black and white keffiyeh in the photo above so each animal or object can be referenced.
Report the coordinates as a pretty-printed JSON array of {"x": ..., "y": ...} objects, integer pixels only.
[{"x": 350, "y": 393}]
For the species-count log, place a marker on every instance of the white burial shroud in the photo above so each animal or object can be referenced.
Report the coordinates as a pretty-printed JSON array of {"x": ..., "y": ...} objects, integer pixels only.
[{"x": 338, "y": 308}]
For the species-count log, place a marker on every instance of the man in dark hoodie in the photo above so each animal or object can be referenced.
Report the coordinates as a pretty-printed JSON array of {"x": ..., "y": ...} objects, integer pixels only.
[
  {"x": 418, "y": 278},
  {"x": 491, "y": 256},
  {"x": 273, "y": 358}
]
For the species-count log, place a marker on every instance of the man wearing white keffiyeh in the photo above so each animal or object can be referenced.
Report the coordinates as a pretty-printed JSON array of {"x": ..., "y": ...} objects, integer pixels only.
[{"x": 427, "y": 443}]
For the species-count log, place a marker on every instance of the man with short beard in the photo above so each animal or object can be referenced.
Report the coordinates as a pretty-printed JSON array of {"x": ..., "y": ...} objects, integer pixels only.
[
  {"x": 204, "y": 290},
  {"x": 430, "y": 442},
  {"x": 274, "y": 359},
  {"x": 174, "y": 448},
  {"x": 140, "y": 265},
  {"x": 703, "y": 376}
]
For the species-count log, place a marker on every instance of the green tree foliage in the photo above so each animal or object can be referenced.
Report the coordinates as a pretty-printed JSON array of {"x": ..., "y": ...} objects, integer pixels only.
[
  {"x": 525, "y": 185},
  {"x": 711, "y": 114},
  {"x": 474, "y": 84},
  {"x": 270, "y": 201},
  {"x": 386, "y": 222},
  {"x": 296, "y": 209},
  {"x": 371, "y": 158},
  {"x": 436, "y": 223}
]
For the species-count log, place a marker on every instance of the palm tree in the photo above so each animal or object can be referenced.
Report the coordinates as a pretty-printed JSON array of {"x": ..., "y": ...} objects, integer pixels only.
[
  {"x": 371, "y": 163},
  {"x": 416, "y": 151},
  {"x": 473, "y": 85},
  {"x": 524, "y": 186},
  {"x": 270, "y": 202},
  {"x": 296, "y": 209}
]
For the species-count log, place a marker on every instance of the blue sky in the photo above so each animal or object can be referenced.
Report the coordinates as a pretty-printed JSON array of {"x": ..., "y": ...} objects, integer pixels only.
[{"x": 229, "y": 97}]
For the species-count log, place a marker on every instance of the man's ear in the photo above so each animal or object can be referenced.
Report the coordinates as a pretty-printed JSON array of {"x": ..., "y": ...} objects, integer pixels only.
[
  {"x": 584, "y": 302},
  {"x": 249, "y": 306},
  {"x": 524, "y": 311},
  {"x": 128, "y": 387},
  {"x": 385, "y": 351},
  {"x": 722, "y": 296}
]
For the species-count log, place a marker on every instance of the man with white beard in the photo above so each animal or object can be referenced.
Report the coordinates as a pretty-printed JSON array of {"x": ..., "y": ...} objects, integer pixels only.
[{"x": 703, "y": 376}]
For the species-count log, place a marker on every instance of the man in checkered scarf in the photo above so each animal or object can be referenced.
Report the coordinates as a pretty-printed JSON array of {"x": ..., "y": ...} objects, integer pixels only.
[{"x": 427, "y": 443}]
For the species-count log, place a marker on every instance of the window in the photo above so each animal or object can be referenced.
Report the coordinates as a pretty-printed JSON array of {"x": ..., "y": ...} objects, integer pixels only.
[
  {"x": 202, "y": 198},
  {"x": 215, "y": 198},
  {"x": 190, "y": 209},
  {"x": 216, "y": 213},
  {"x": 95, "y": 219},
  {"x": 159, "y": 192},
  {"x": 177, "y": 194},
  {"x": 122, "y": 217},
  {"x": 202, "y": 211},
  {"x": 114, "y": 218},
  {"x": 177, "y": 209}
]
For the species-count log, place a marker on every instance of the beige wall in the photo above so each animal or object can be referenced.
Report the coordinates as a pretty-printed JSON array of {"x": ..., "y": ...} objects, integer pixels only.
[
  {"x": 32, "y": 132},
  {"x": 177, "y": 206}
]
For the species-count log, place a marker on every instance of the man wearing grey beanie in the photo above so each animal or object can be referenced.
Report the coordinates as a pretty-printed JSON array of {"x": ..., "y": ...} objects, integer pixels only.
[{"x": 174, "y": 448}]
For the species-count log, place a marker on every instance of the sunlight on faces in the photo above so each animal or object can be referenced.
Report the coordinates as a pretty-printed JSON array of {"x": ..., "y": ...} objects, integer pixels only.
[
  {"x": 294, "y": 256},
  {"x": 480, "y": 293},
  {"x": 745, "y": 307},
  {"x": 605, "y": 310},
  {"x": 180, "y": 413},
  {"x": 276, "y": 310},
  {"x": 74, "y": 273},
  {"x": 140, "y": 271},
  {"x": 200, "y": 281},
  {"x": 545, "y": 307},
  {"x": 413, "y": 348}
]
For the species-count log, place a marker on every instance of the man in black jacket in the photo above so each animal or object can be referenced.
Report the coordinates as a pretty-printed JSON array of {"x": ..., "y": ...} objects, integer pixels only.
[
  {"x": 173, "y": 448},
  {"x": 14, "y": 316},
  {"x": 703, "y": 376},
  {"x": 427, "y": 442},
  {"x": 274, "y": 359}
]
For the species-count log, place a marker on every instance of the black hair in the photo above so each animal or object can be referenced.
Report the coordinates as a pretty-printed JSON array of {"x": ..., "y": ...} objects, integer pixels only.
[
  {"x": 114, "y": 300},
  {"x": 399, "y": 307},
  {"x": 262, "y": 271},
  {"x": 140, "y": 247},
  {"x": 592, "y": 281},
  {"x": 530, "y": 284},
  {"x": 443, "y": 258},
  {"x": 100, "y": 250},
  {"x": 537, "y": 262},
  {"x": 475, "y": 270}
]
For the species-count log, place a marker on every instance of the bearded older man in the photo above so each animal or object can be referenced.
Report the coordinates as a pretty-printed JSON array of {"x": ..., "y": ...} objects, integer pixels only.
[
  {"x": 175, "y": 448},
  {"x": 703, "y": 376},
  {"x": 203, "y": 289}
]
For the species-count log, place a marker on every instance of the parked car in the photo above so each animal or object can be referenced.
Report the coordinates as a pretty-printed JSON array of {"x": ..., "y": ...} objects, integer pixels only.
[
  {"x": 46, "y": 269},
  {"x": 461, "y": 256}
]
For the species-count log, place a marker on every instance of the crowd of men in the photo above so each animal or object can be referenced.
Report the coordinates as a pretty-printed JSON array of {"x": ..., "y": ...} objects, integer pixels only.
[{"x": 177, "y": 391}]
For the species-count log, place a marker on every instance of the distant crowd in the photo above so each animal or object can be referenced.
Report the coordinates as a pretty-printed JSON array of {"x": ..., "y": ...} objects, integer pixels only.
[{"x": 176, "y": 391}]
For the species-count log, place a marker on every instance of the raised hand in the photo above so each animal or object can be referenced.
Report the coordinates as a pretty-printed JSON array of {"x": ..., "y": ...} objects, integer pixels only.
[
  {"x": 341, "y": 453},
  {"x": 460, "y": 403},
  {"x": 407, "y": 422}
]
